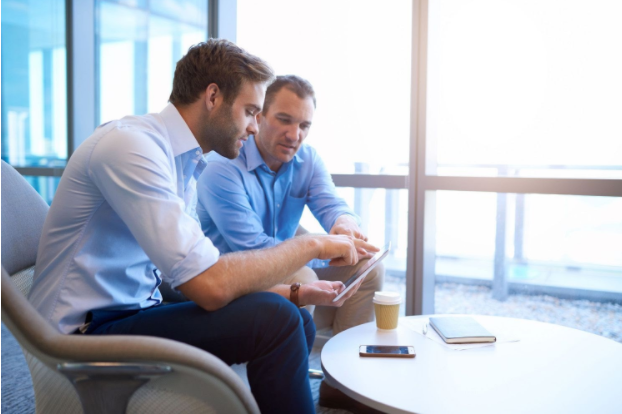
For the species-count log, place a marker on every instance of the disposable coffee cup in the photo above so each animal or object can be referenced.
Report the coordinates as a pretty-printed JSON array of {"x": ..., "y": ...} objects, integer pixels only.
[{"x": 387, "y": 307}]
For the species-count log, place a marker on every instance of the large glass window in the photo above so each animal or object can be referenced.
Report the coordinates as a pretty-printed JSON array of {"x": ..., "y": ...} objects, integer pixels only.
[
  {"x": 45, "y": 186},
  {"x": 520, "y": 191},
  {"x": 542, "y": 241},
  {"x": 524, "y": 88},
  {"x": 138, "y": 44},
  {"x": 357, "y": 56},
  {"x": 34, "y": 83},
  {"x": 551, "y": 258}
]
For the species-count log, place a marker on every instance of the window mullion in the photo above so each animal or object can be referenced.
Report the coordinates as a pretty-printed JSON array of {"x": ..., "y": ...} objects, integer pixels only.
[{"x": 80, "y": 21}]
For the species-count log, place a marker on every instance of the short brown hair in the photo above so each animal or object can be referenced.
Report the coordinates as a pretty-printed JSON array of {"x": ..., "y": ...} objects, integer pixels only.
[
  {"x": 301, "y": 87},
  {"x": 216, "y": 61}
]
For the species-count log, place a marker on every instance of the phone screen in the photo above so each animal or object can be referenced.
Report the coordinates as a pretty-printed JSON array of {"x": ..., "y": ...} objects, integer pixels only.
[{"x": 379, "y": 349}]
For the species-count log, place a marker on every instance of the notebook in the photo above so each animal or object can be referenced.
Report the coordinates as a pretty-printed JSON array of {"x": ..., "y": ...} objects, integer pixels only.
[{"x": 460, "y": 330}]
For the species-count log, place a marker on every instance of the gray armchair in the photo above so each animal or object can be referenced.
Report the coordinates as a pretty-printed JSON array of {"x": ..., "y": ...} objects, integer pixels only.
[{"x": 100, "y": 374}]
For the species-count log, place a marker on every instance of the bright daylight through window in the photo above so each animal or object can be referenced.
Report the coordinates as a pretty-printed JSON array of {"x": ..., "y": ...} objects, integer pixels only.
[
  {"x": 526, "y": 89},
  {"x": 139, "y": 44},
  {"x": 357, "y": 56},
  {"x": 513, "y": 89}
]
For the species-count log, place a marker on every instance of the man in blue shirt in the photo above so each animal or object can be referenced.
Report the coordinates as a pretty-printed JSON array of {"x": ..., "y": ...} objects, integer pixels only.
[
  {"x": 123, "y": 220},
  {"x": 256, "y": 200}
]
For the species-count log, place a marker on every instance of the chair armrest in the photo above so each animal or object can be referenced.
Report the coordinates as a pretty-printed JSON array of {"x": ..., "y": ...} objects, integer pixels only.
[{"x": 51, "y": 347}]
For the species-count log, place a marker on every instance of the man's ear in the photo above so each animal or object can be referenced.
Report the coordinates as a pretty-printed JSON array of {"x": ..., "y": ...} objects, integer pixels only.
[{"x": 213, "y": 96}]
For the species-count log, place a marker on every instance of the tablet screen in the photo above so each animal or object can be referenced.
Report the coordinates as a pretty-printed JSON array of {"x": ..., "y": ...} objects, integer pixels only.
[{"x": 363, "y": 271}]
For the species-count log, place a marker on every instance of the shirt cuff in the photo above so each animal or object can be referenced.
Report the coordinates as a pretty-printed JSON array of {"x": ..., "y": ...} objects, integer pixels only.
[
  {"x": 203, "y": 256},
  {"x": 345, "y": 213}
]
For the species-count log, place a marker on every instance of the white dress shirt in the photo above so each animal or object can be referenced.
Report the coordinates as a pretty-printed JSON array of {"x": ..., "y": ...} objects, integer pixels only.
[{"x": 123, "y": 217}]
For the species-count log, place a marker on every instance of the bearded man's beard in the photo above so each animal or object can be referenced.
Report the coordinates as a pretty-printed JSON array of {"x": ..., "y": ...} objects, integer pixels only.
[{"x": 221, "y": 134}]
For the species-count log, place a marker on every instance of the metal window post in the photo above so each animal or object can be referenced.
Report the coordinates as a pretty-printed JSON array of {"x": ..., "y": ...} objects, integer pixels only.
[
  {"x": 421, "y": 205},
  {"x": 80, "y": 31},
  {"x": 223, "y": 19}
]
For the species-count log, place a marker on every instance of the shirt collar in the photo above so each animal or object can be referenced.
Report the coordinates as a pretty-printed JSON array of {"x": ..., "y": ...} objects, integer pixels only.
[
  {"x": 181, "y": 138},
  {"x": 254, "y": 159}
]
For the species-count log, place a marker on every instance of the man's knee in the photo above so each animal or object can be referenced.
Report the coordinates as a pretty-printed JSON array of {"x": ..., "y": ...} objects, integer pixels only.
[
  {"x": 303, "y": 276},
  {"x": 278, "y": 314},
  {"x": 272, "y": 304},
  {"x": 309, "y": 327}
]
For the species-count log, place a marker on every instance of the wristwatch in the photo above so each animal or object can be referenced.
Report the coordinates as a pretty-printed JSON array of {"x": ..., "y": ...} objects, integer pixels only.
[{"x": 293, "y": 294}]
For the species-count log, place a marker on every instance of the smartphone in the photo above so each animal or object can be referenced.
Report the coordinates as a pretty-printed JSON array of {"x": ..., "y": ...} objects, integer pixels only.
[{"x": 390, "y": 351}]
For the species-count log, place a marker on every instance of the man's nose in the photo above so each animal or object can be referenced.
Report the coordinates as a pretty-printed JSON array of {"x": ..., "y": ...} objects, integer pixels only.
[
  {"x": 293, "y": 132},
  {"x": 253, "y": 128}
]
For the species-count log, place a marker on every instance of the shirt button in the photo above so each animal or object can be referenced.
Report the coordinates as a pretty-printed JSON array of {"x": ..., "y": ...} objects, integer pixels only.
[
  {"x": 278, "y": 205},
  {"x": 198, "y": 152}
]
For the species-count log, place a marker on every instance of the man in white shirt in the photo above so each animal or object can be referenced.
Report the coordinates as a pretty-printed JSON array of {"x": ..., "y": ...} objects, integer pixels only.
[{"x": 123, "y": 220}]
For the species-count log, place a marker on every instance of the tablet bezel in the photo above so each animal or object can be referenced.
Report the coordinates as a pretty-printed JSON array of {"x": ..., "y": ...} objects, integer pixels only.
[{"x": 363, "y": 271}]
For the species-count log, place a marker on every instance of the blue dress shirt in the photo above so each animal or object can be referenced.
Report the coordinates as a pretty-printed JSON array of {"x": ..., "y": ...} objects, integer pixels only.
[
  {"x": 123, "y": 218},
  {"x": 244, "y": 205}
]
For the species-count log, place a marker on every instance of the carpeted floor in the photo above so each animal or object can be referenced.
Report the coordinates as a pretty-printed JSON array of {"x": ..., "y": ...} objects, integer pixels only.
[{"x": 18, "y": 396}]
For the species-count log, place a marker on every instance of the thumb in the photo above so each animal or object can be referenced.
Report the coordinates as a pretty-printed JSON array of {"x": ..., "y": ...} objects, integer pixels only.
[{"x": 337, "y": 285}]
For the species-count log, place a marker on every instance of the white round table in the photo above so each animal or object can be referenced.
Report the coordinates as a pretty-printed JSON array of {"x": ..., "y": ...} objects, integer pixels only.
[{"x": 552, "y": 369}]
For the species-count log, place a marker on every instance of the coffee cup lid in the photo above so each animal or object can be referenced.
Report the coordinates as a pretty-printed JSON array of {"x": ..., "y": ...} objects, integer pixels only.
[{"x": 387, "y": 298}]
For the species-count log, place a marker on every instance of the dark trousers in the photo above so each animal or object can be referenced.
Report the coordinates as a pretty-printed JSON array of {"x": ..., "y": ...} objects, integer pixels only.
[{"x": 263, "y": 329}]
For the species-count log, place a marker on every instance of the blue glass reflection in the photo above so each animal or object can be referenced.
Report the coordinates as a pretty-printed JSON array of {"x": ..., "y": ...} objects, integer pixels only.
[
  {"x": 34, "y": 83},
  {"x": 45, "y": 186},
  {"x": 138, "y": 45}
]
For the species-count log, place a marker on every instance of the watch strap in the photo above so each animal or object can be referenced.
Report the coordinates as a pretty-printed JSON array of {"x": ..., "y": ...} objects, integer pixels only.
[{"x": 293, "y": 294}]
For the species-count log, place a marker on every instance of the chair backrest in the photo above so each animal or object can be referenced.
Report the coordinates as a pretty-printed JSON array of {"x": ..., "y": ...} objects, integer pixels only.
[{"x": 23, "y": 214}]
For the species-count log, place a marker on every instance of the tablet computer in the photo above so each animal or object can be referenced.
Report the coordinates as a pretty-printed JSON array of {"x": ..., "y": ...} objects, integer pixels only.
[{"x": 363, "y": 271}]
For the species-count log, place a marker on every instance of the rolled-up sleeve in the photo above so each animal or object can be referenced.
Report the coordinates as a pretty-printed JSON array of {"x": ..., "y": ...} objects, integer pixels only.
[{"x": 135, "y": 173}]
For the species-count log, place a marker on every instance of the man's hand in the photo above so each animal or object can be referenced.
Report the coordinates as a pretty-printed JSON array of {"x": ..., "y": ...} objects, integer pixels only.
[
  {"x": 322, "y": 293},
  {"x": 346, "y": 224},
  {"x": 343, "y": 250}
]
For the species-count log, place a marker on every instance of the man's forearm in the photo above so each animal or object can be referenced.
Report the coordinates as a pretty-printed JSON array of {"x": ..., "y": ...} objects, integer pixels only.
[
  {"x": 262, "y": 269},
  {"x": 237, "y": 274}
]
